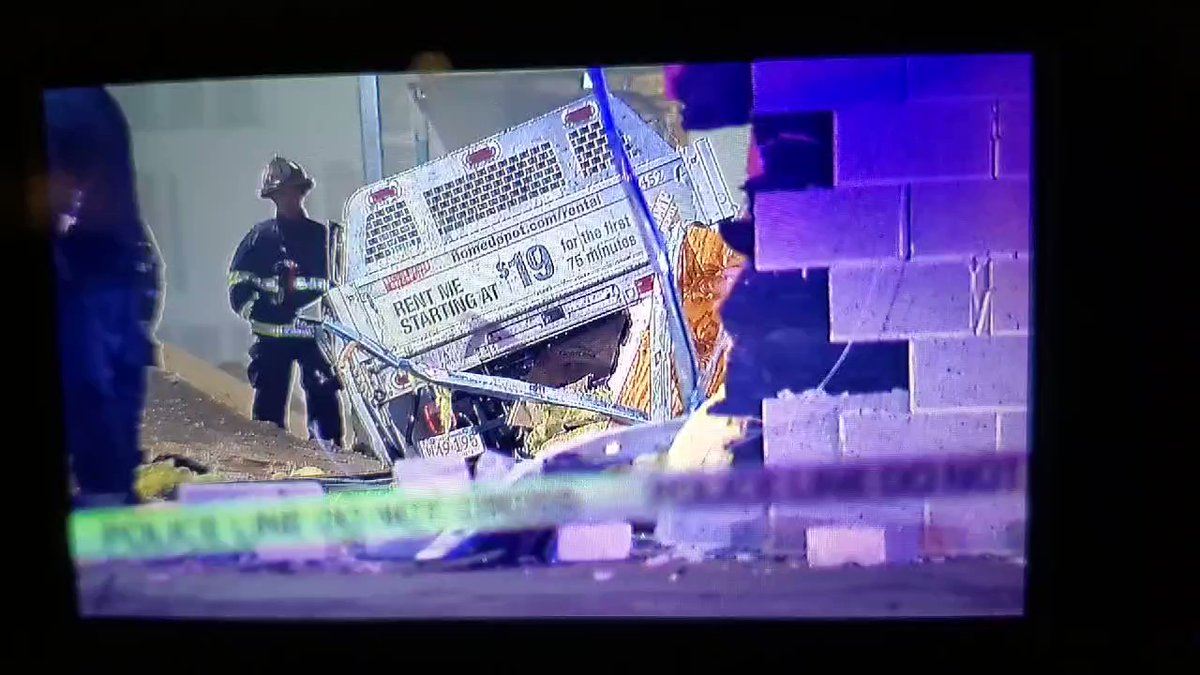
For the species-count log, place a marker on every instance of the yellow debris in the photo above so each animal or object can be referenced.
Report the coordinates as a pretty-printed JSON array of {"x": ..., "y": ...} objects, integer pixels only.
[
  {"x": 158, "y": 480},
  {"x": 704, "y": 440},
  {"x": 443, "y": 399},
  {"x": 552, "y": 426},
  {"x": 307, "y": 472},
  {"x": 707, "y": 266}
]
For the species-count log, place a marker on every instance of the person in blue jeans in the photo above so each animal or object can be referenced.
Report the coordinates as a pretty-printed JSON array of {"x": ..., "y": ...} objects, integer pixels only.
[{"x": 108, "y": 290}]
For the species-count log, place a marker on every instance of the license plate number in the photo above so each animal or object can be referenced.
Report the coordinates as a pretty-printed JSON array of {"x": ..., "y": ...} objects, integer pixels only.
[{"x": 461, "y": 443}]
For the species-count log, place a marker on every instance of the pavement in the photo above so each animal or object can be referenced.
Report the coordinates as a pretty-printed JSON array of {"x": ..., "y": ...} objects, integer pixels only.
[{"x": 761, "y": 588}]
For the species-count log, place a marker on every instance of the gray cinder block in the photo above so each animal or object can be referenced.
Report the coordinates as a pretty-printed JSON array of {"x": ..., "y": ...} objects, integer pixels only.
[
  {"x": 870, "y": 435},
  {"x": 1010, "y": 296},
  {"x": 986, "y": 76},
  {"x": 826, "y": 84},
  {"x": 820, "y": 228},
  {"x": 1013, "y": 432},
  {"x": 899, "y": 301},
  {"x": 917, "y": 141},
  {"x": 804, "y": 428},
  {"x": 952, "y": 373},
  {"x": 970, "y": 218},
  {"x": 1016, "y": 137}
]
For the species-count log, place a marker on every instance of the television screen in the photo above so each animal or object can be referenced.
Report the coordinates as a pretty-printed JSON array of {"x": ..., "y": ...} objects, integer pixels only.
[{"x": 707, "y": 340}]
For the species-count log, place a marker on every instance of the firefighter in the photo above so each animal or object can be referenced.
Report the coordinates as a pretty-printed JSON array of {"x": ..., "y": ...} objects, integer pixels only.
[
  {"x": 281, "y": 266},
  {"x": 108, "y": 286}
]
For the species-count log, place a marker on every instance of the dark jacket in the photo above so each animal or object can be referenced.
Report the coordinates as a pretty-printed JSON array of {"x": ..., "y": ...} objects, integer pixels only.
[
  {"x": 107, "y": 264},
  {"x": 258, "y": 273},
  {"x": 87, "y": 137}
]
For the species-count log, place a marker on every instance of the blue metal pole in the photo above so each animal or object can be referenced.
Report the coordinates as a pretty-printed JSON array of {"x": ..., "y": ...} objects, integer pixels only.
[{"x": 686, "y": 359}]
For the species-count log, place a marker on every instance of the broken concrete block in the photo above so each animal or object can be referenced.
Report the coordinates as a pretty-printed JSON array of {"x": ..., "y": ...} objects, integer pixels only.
[
  {"x": 942, "y": 542},
  {"x": 832, "y": 546},
  {"x": 902, "y": 520},
  {"x": 786, "y": 535},
  {"x": 436, "y": 475},
  {"x": 983, "y": 525},
  {"x": 440, "y": 475},
  {"x": 708, "y": 528},
  {"x": 903, "y": 543},
  {"x": 394, "y": 549},
  {"x": 492, "y": 466},
  {"x": 590, "y": 542},
  {"x": 208, "y": 493},
  {"x": 804, "y": 428},
  {"x": 750, "y": 534}
]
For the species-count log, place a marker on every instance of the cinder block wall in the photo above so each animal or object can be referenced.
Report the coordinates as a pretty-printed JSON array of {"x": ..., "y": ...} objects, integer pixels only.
[{"x": 926, "y": 236}]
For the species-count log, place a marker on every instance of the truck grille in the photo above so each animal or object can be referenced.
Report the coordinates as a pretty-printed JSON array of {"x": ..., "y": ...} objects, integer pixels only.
[
  {"x": 590, "y": 146},
  {"x": 493, "y": 189},
  {"x": 390, "y": 231}
]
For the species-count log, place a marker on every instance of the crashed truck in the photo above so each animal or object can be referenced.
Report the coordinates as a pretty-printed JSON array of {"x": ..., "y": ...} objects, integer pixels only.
[{"x": 476, "y": 291}]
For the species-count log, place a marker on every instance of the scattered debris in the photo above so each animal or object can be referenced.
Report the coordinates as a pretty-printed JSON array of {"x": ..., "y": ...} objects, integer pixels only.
[
  {"x": 692, "y": 554},
  {"x": 359, "y": 567},
  {"x": 658, "y": 560},
  {"x": 161, "y": 479},
  {"x": 181, "y": 462}
]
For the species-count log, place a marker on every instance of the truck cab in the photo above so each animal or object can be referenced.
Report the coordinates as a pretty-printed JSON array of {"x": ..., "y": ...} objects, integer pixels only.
[{"x": 516, "y": 257}]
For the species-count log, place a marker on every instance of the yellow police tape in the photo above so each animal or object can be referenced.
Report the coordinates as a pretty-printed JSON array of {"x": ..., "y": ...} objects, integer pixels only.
[{"x": 176, "y": 530}]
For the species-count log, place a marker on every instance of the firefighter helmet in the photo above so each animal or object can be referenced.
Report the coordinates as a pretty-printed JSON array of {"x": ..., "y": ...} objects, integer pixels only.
[{"x": 281, "y": 172}]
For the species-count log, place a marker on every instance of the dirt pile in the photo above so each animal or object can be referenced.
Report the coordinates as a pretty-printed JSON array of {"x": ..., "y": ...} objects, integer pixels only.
[{"x": 182, "y": 420}]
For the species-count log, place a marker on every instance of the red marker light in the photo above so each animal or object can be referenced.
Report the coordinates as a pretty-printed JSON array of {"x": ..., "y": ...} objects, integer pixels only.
[
  {"x": 645, "y": 284},
  {"x": 580, "y": 115},
  {"x": 433, "y": 420},
  {"x": 481, "y": 155},
  {"x": 383, "y": 195}
]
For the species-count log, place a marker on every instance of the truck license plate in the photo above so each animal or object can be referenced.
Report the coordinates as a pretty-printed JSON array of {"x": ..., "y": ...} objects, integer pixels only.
[{"x": 461, "y": 443}]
